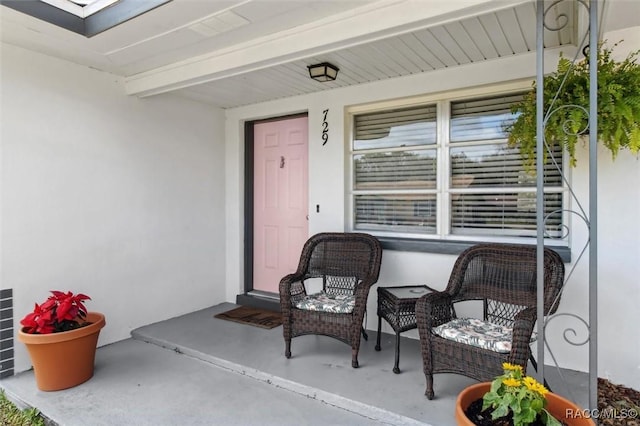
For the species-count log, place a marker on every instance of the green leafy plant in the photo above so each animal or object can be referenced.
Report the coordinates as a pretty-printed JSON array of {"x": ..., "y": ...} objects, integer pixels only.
[
  {"x": 522, "y": 397},
  {"x": 10, "y": 415},
  {"x": 566, "y": 106}
]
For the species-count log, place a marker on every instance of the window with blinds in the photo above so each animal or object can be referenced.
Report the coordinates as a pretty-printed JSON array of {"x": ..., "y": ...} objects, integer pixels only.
[
  {"x": 491, "y": 193},
  {"x": 396, "y": 128},
  {"x": 479, "y": 188},
  {"x": 395, "y": 170}
]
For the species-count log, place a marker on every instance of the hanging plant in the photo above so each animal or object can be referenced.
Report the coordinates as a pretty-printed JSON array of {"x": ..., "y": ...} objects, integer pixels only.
[{"x": 566, "y": 106}]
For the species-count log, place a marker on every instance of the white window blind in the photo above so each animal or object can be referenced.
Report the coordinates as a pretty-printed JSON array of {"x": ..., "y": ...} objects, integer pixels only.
[
  {"x": 395, "y": 170},
  {"x": 399, "y": 188},
  {"x": 481, "y": 119},
  {"x": 402, "y": 213},
  {"x": 491, "y": 192},
  {"x": 396, "y": 128}
]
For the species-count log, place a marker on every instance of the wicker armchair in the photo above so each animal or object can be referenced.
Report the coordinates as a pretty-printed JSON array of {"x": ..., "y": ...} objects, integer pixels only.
[
  {"x": 347, "y": 265},
  {"x": 503, "y": 277}
]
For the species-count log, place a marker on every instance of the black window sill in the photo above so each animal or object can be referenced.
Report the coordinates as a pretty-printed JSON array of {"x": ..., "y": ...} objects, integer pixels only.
[{"x": 448, "y": 247}]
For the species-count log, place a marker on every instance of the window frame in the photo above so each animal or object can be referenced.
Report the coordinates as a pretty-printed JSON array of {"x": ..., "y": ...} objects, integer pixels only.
[{"x": 443, "y": 240}]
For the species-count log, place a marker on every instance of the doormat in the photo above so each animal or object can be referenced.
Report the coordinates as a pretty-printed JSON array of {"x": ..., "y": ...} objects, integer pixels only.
[{"x": 252, "y": 316}]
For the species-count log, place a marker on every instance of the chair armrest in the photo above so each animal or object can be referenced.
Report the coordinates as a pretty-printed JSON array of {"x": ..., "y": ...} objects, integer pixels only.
[
  {"x": 434, "y": 309},
  {"x": 522, "y": 330},
  {"x": 363, "y": 286},
  {"x": 291, "y": 286},
  {"x": 361, "y": 293}
]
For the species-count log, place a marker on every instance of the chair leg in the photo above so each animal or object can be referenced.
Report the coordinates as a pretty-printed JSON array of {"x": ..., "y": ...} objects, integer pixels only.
[
  {"x": 287, "y": 349},
  {"x": 429, "y": 392},
  {"x": 354, "y": 358}
]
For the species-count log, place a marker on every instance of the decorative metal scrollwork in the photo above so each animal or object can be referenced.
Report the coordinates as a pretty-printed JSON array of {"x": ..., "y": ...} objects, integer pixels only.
[
  {"x": 567, "y": 125},
  {"x": 562, "y": 18},
  {"x": 570, "y": 330},
  {"x": 570, "y": 333}
]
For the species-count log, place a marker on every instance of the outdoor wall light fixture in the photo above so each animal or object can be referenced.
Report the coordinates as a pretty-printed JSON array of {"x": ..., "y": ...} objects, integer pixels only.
[{"x": 323, "y": 72}]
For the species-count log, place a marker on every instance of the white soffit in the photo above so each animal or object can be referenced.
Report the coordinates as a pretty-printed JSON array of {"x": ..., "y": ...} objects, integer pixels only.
[
  {"x": 373, "y": 21},
  {"x": 225, "y": 21}
]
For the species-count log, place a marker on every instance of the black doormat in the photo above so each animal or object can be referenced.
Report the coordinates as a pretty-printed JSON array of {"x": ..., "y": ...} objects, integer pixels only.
[{"x": 252, "y": 316}]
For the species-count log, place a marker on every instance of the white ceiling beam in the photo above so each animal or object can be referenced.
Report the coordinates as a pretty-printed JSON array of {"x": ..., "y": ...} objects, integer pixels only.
[{"x": 374, "y": 21}]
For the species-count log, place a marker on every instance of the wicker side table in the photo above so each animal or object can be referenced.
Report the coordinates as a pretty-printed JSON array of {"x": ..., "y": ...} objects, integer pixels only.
[{"x": 397, "y": 305}]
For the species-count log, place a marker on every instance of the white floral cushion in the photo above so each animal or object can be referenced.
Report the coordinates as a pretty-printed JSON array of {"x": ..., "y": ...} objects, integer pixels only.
[
  {"x": 337, "y": 304},
  {"x": 475, "y": 332}
]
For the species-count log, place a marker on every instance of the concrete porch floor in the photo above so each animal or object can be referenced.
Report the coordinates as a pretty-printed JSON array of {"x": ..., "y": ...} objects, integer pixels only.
[{"x": 199, "y": 370}]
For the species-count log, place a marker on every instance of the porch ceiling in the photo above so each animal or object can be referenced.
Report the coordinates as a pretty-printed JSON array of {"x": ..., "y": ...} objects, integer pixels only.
[
  {"x": 505, "y": 32},
  {"x": 230, "y": 53}
]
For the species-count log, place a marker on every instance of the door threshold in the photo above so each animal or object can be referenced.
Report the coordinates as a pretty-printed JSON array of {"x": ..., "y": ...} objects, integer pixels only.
[
  {"x": 264, "y": 294},
  {"x": 260, "y": 300}
]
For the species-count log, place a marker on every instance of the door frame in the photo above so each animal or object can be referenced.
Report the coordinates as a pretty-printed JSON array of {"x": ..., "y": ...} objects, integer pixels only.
[{"x": 246, "y": 298}]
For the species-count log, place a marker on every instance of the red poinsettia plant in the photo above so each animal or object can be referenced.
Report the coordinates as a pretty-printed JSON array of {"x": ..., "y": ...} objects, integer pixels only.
[{"x": 60, "y": 312}]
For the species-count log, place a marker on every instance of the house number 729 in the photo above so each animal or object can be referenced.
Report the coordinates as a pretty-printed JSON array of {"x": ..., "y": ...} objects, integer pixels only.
[{"x": 325, "y": 127}]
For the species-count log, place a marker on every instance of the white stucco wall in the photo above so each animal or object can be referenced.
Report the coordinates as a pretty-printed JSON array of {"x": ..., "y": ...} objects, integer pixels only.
[
  {"x": 110, "y": 195},
  {"x": 618, "y": 184}
]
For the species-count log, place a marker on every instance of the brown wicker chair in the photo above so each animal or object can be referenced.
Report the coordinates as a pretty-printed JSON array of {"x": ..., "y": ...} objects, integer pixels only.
[
  {"x": 503, "y": 277},
  {"x": 347, "y": 264}
]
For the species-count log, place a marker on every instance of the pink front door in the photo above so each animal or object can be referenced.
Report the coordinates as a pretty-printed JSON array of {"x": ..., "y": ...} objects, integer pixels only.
[{"x": 280, "y": 200}]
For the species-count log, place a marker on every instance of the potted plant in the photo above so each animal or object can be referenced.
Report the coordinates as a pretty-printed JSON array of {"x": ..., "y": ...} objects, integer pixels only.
[
  {"x": 514, "y": 399},
  {"x": 61, "y": 337},
  {"x": 566, "y": 106}
]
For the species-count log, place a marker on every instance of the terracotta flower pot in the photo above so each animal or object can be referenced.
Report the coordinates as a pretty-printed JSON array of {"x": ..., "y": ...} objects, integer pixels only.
[
  {"x": 556, "y": 405},
  {"x": 63, "y": 360}
]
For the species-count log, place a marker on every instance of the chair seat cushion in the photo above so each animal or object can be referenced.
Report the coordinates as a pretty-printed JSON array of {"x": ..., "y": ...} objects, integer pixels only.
[
  {"x": 323, "y": 302},
  {"x": 475, "y": 332}
]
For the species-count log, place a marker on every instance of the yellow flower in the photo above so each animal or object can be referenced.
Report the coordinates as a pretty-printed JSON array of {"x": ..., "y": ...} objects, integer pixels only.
[
  {"x": 516, "y": 391},
  {"x": 511, "y": 382},
  {"x": 533, "y": 385},
  {"x": 542, "y": 390},
  {"x": 530, "y": 382},
  {"x": 511, "y": 367}
]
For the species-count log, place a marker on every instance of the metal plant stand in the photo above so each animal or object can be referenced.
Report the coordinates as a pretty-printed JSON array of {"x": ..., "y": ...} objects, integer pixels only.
[{"x": 589, "y": 44}]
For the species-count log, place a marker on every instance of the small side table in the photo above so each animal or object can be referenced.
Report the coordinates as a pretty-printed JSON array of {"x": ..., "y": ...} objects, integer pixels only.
[{"x": 397, "y": 305}]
